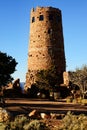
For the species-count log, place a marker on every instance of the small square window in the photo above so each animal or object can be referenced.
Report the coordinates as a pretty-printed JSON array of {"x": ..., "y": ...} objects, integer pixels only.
[
  {"x": 50, "y": 31},
  {"x": 33, "y": 19},
  {"x": 41, "y": 18}
]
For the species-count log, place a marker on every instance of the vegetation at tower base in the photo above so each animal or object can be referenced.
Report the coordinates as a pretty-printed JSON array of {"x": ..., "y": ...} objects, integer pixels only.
[
  {"x": 32, "y": 92},
  {"x": 47, "y": 82},
  {"x": 79, "y": 78},
  {"x": 47, "y": 79}
]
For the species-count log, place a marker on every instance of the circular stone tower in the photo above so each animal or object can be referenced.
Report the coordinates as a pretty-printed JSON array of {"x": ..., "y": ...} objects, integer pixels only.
[{"x": 46, "y": 43}]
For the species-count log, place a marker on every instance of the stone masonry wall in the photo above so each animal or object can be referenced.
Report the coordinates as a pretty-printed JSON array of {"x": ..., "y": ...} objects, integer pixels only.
[{"x": 46, "y": 43}]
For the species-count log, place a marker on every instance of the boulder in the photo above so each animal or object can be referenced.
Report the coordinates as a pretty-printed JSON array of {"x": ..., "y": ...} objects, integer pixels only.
[
  {"x": 16, "y": 83},
  {"x": 45, "y": 115},
  {"x": 34, "y": 114},
  {"x": 4, "y": 115}
]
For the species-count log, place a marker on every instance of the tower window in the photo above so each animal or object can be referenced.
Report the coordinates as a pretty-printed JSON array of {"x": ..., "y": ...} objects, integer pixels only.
[
  {"x": 50, "y": 31},
  {"x": 41, "y": 18},
  {"x": 50, "y": 17},
  {"x": 33, "y": 19}
]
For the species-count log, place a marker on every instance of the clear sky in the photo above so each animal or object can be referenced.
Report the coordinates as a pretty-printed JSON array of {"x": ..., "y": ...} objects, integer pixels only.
[{"x": 14, "y": 30}]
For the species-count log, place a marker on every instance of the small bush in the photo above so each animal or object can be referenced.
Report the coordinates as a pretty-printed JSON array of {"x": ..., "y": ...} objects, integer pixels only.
[
  {"x": 69, "y": 100},
  {"x": 17, "y": 123},
  {"x": 84, "y": 101},
  {"x": 73, "y": 122},
  {"x": 22, "y": 122},
  {"x": 35, "y": 125}
]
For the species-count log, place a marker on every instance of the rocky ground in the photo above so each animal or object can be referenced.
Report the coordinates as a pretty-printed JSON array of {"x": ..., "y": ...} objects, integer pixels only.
[{"x": 48, "y": 111}]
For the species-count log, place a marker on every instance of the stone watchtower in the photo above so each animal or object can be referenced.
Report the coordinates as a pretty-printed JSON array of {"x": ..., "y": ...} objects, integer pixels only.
[{"x": 46, "y": 43}]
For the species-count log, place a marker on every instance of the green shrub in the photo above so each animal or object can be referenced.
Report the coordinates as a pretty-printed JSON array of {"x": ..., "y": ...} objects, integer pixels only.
[
  {"x": 81, "y": 101},
  {"x": 84, "y": 101},
  {"x": 2, "y": 126},
  {"x": 17, "y": 123},
  {"x": 73, "y": 122},
  {"x": 22, "y": 122},
  {"x": 35, "y": 125},
  {"x": 69, "y": 100}
]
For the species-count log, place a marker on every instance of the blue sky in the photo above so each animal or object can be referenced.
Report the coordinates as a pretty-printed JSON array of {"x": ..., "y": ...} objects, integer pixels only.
[{"x": 14, "y": 30}]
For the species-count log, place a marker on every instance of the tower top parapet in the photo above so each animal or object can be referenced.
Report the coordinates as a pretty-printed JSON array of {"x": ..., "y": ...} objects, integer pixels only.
[{"x": 38, "y": 8}]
